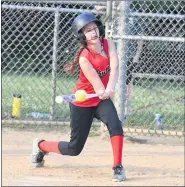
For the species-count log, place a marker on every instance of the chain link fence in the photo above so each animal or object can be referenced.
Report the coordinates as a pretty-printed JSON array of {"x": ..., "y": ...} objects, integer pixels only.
[
  {"x": 37, "y": 42},
  {"x": 150, "y": 39}
]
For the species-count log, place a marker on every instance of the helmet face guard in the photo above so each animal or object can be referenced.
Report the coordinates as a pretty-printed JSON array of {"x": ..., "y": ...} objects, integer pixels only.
[{"x": 82, "y": 20}]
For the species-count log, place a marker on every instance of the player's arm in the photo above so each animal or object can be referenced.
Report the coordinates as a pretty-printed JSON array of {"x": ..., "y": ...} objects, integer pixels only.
[
  {"x": 114, "y": 73},
  {"x": 114, "y": 65},
  {"x": 91, "y": 75}
]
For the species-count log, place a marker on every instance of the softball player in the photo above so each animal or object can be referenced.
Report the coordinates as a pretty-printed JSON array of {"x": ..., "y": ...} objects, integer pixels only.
[{"x": 98, "y": 63}]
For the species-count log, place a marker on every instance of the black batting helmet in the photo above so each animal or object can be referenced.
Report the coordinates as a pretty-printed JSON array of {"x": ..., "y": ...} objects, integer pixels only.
[{"x": 82, "y": 20}]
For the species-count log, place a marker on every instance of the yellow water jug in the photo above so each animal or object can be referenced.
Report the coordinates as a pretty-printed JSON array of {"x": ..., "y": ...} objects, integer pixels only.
[{"x": 16, "y": 106}]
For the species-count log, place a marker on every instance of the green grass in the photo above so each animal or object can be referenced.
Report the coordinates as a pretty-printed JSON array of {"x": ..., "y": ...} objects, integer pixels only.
[
  {"x": 162, "y": 93},
  {"x": 36, "y": 94}
]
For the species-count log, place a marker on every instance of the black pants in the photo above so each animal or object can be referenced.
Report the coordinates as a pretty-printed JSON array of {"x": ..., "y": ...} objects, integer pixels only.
[{"x": 81, "y": 121}]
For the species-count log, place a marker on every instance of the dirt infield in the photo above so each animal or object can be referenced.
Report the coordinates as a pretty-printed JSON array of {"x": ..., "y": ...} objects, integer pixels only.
[{"x": 158, "y": 162}]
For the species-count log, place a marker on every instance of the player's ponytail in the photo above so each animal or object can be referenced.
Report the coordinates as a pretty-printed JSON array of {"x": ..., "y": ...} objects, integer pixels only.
[{"x": 71, "y": 67}]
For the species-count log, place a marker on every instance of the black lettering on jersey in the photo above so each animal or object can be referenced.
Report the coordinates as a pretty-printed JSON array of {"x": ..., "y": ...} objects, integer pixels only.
[{"x": 103, "y": 73}]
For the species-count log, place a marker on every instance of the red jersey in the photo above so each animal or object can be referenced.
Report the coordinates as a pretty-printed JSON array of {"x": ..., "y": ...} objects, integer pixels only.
[{"x": 102, "y": 66}]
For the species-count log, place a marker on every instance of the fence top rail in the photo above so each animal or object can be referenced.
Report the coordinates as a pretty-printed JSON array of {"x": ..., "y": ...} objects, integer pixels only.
[
  {"x": 50, "y": 9},
  {"x": 150, "y": 38},
  {"x": 158, "y": 15},
  {"x": 60, "y": 2},
  {"x": 161, "y": 76}
]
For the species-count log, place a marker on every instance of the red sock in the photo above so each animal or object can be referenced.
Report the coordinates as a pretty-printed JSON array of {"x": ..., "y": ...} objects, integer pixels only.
[
  {"x": 49, "y": 147},
  {"x": 117, "y": 147}
]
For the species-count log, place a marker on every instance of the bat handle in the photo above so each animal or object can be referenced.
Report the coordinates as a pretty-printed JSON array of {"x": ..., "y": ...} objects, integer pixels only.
[
  {"x": 93, "y": 95},
  {"x": 68, "y": 98}
]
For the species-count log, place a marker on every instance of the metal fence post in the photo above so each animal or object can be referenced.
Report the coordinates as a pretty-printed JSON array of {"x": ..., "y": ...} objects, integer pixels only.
[
  {"x": 54, "y": 63},
  {"x": 120, "y": 95},
  {"x": 107, "y": 17}
]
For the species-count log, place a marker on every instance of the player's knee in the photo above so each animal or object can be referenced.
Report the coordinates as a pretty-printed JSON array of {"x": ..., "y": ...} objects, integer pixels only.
[
  {"x": 70, "y": 148},
  {"x": 76, "y": 150},
  {"x": 116, "y": 130}
]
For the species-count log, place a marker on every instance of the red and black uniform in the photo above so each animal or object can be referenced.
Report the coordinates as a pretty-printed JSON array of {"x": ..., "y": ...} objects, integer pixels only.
[
  {"x": 83, "y": 113},
  {"x": 102, "y": 65}
]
